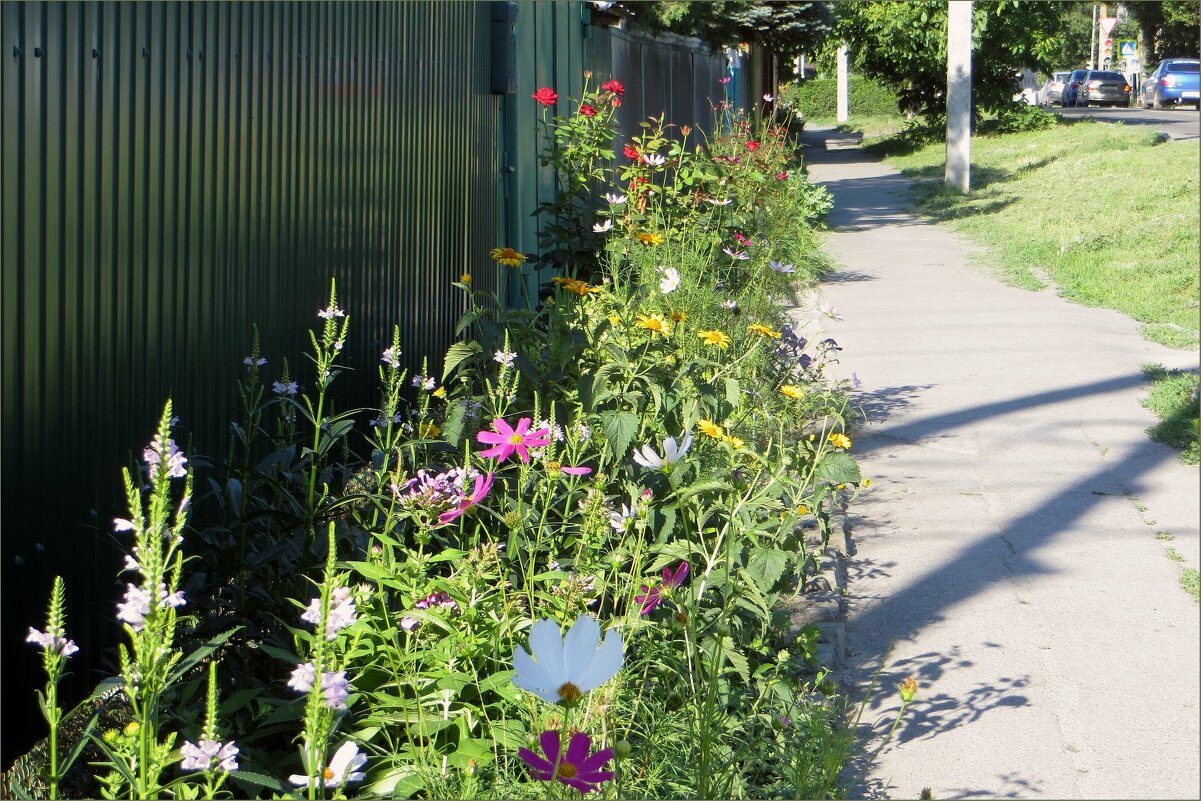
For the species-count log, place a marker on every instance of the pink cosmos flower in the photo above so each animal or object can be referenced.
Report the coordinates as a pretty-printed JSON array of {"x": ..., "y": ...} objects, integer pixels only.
[
  {"x": 483, "y": 483},
  {"x": 576, "y": 471},
  {"x": 650, "y": 598},
  {"x": 546, "y": 96},
  {"x": 575, "y": 768},
  {"x": 505, "y": 439}
]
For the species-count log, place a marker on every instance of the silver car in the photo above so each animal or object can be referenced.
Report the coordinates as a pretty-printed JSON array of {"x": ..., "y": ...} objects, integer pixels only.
[
  {"x": 1052, "y": 90},
  {"x": 1104, "y": 88}
]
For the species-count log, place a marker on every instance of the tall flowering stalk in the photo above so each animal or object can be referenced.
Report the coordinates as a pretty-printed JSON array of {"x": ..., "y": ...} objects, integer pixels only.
[
  {"x": 56, "y": 648},
  {"x": 148, "y": 610},
  {"x": 211, "y": 757},
  {"x": 326, "y": 350}
]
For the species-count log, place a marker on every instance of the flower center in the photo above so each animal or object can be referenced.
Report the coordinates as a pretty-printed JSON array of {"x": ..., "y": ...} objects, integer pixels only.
[
  {"x": 569, "y": 693},
  {"x": 517, "y": 439},
  {"x": 329, "y": 775},
  {"x": 566, "y": 770}
]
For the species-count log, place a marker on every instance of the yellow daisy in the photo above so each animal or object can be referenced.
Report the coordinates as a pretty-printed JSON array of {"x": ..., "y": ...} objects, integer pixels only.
[
  {"x": 791, "y": 391},
  {"x": 465, "y": 278},
  {"x": 654, "y": 323},
  {"x": 613, "y": 319},
  {"x": 867, "y": 482},
  {"x": 507, "y": 256},
  {"x": 715, "y": 338},
  {"x": 581, "y": 288},
  {"x": 840, "y": 440},
  {"x": 757, "y": 328},
  {"x": 429, "y": 430},
  {"x": 440, "y": 392},
  {"x": 649, "y": 238},
  {"x": 678, "y": 316},
  {"x": 733, "y": 440},
  {"x": 711, "y": 428}
]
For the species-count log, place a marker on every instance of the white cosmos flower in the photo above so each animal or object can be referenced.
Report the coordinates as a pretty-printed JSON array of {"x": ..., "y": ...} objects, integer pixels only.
[
  {"x": 768, "y": 98},
  {"x": 342, "y": 769},
  {"x": 614, "y": 198},
  {"x": 670, "y": 282},
  {"x": 560, "y": 669},
  {"x": 672, "y": 453},
  {"x": 654, "y": 159},
  {"x": 740, "y": 255},
  {"x": 781, "y": 267},
  {"x": 714, "y": 201},
  {"x": 827, "y": 310},
  {"x": 601, "y": 227}
]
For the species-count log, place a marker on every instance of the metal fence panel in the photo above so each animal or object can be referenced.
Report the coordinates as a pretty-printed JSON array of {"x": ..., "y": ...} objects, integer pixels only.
[{"x": 174, "y": 173}]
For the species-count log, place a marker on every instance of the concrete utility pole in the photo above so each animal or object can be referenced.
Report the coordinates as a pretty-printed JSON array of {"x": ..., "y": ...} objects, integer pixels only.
[
  {"x": 959, "y": 95},
  {"x": 1092, "y": 40},
  {"x": 843, "y": 113}
]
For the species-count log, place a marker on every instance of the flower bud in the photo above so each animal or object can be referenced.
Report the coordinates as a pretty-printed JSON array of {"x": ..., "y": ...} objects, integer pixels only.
[
  {"x": 622, "y": 749},
  {"x": 908, "y": 689}
]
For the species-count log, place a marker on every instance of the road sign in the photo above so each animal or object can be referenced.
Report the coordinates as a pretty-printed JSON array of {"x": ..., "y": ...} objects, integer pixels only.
[
  {"x": 1127, "y": 48},
  {"x": 1107, "y": 24}
]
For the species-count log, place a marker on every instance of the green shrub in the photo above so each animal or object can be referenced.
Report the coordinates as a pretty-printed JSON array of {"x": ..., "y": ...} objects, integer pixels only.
[
  {"x": 818, "y": 97},
  {"x": 1020, "y": 117}
]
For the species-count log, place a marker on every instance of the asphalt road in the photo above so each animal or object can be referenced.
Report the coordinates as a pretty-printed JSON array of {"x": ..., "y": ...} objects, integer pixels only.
[{"x": 1179, "y": 123}]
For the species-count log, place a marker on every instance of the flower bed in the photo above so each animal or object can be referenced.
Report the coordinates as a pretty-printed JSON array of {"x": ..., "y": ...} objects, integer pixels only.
[{"x": 554, "y": 569}]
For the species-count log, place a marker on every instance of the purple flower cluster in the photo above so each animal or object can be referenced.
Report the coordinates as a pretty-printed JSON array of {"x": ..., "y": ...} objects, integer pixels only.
[
  {"x": 175, "y": 458},
  {"x": 437, "y": 598},
  {"x": 792, "y": 363},
  {"x": 201, "y": 755},
  {"x": 56, "y": 642},
  {"x": 447, "y": 494},
  {"x": 335, "y": 687},
  {"x": 136, "y": 606},
  {"x": 342, "y": 612}
]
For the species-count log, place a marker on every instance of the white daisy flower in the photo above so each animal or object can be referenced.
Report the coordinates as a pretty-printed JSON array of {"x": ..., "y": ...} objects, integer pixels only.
[
  {"x": 672, "y": 453},
  {"x": 601, "y": 227}
]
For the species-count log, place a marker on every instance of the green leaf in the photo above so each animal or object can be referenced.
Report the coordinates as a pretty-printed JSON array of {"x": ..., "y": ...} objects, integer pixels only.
[
  {"x": 619, "y": 427},
  {"x": 733, "y": 392},
  {"x": 765, "y": 567},
  {"x": 452, "y": 427},
  {"x": 258, "y": 780},
  {"x": 456, "y": 354},
  {"x": 196, "y": 657},
  {"x": 838, "y": 468}
]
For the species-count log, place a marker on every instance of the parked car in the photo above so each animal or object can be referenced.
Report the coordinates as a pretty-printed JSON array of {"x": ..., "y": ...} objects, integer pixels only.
[
  {"x": 1071, "y": 85},
  {"x": 1103, "y": 88},
  {"x": 1174, "y": 82},
  {"x": 1052, "y": 89}
]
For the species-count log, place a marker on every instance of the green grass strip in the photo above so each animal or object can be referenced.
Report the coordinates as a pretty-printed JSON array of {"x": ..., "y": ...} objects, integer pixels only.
[{"x": 1174, "y": 400}]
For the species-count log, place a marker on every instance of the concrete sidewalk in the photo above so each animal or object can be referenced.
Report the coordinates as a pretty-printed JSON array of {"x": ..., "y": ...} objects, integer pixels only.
[{"x": 1006, "y": 553}]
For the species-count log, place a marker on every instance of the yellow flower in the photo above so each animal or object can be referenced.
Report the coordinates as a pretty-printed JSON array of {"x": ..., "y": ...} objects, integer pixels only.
[
  {"x": 669, "y": 359},
  {"x": 711, "y": 428},
  {"x": 581, "y": 288},
  {"x": 715, "y": 338},
  {"x": 507, "y": 256},
  {"x": 678, "y": 316},
  {"x": 840, "y": 440},
  {"x": 654, "y": 323},
  {"x": 440, "y": 392},
  {"x": 735, "y": 441},
  {"x": 908, "y": 689},
  {"x": 465, "y": 278},
  {"x": 792, "y": 391},
  {"x": 867, "y": 482},
  {"x": 614, "y": 319},
  {"x": 764, "y": 330},
  {"x": 429, "y": 430},
  {"x": 649, "y": 238},
  {"x": 802, "y": 509}
]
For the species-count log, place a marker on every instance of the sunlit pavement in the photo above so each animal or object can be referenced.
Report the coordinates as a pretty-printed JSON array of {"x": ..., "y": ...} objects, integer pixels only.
[{"x": 1005, "y": 554}]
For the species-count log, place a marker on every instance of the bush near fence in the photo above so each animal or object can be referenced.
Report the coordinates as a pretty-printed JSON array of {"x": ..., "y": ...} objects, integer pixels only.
[{"x": 818, "y": 97}]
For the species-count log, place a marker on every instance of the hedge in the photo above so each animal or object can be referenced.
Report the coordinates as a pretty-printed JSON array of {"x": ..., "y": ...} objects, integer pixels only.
[{"x": 818, "y": 97}]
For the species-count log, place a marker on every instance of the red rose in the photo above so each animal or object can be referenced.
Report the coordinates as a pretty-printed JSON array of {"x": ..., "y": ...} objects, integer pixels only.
[
  {"x": 782, "y": 176},
  {"x": 546, "y": 96},
  {"x": 587, "y": 110},
  {"x": 615, "y": 87},
  {"x": 629, "y": 152},
  {"x": 752, "y": 145}
]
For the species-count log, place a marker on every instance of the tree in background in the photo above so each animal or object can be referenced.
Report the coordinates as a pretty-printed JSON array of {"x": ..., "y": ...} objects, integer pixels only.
[
  {"x": 785, "y": 28},
  {"x": 1167, "y": 29},
  {"x": 904, "y": 44}
]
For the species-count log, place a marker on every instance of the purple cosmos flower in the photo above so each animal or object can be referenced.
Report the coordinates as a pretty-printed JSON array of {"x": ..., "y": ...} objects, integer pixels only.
[
  {"x": 740, "y": 255},
  {"x": 506, "y": 439},
  {"x": 575, "y": 768},
  {"x": 652, "y": 597},
  {"x": 483, "y": 483}
]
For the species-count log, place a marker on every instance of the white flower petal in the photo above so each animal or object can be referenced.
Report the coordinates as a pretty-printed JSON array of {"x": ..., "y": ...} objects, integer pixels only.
[
  {"x": 579, "y": 647},
  {"x": 298, "y": 780},
  {"x": 546, "y": 646},
  {"x": 606, "y": 661},
  {"x": 530, "y": 677}
]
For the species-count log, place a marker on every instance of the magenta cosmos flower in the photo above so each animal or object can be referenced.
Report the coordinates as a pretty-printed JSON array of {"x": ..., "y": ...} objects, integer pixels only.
[
  {"x": 483, "y": 483},
  {"x": 650, "y": 598},
  {"x": 506, "y": 439},
  {"x": 575, "y": 768}
]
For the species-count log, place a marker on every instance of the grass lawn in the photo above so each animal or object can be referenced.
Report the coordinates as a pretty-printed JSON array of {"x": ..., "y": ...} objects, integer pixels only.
[
  {"x": 872, "y": 127},
  {"x": 1107, "y": 212},
  {"x": 1173, "y": 398}
]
